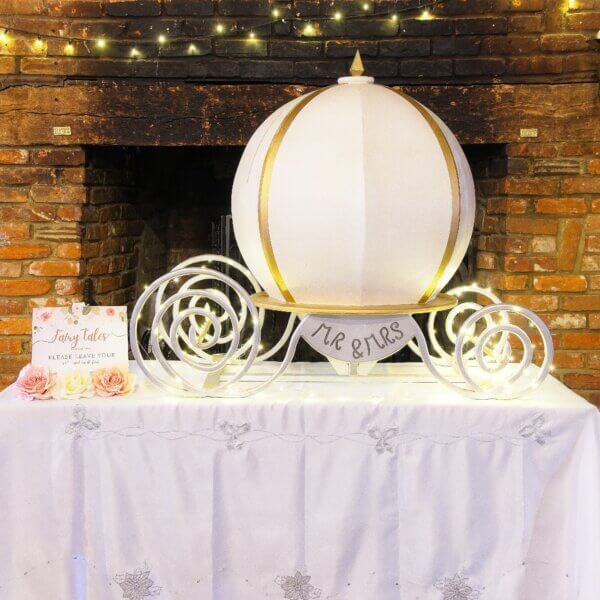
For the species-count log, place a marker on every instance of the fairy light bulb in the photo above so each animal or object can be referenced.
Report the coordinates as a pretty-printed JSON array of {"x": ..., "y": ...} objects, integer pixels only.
[
  {"x": 337, "y": 15},
  {"x": 308, "y": 29},
  {"x": 135, "y": 53},
  {"x": 162, "y": 39},
  {"x": 38, "y": 44},
  {"x": 192, "y": 49},
  {"x": 426, "y": 15},
  {"x": 366, "y": 6},
  {"x": 101, "y": 43},
  {"x": 4, "y": 37},
  {"x": 69, "y": 48},
  {"x": 220, "y": 28},
  {"x": 252, "y": 35},
  {"x": 276, "y": 13},
  {"x": 394, "y": 18}
]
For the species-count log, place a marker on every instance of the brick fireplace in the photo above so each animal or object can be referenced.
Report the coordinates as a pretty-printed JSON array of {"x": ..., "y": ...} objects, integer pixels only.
[{"x": 153, "y": 143}]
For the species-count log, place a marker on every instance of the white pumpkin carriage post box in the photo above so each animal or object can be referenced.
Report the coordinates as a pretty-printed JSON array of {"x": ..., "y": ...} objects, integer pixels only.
[
  {"x": 353, "y": 206},
  {"x": 353, "y": 195}
]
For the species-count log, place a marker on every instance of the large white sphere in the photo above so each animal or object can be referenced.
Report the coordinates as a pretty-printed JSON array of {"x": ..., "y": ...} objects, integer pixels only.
[{"x": 353, "y": 195}]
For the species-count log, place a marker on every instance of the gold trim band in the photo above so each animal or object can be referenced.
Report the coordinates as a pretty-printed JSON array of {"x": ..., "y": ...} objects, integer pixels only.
[
  {"x": 440, "y": 302},
  {"x": 455, "y": 187},
  {"x": 265, "y": 188}
]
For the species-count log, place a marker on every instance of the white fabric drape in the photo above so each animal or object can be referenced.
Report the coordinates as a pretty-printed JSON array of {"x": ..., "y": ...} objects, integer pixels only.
[{"x": 371, "y": 490}]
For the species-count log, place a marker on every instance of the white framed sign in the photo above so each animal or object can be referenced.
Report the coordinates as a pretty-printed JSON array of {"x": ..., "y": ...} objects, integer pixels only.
[{"x": 80, "y": 337}]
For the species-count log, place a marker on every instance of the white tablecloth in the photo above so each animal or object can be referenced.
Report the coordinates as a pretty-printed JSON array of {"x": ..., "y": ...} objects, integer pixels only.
[{"x": 345, "y": 490}]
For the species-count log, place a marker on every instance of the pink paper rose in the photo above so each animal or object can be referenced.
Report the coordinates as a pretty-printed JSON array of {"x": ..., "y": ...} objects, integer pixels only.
[
  {"x": 36, "y": 383},
  {"x": 112, "y": 382}
]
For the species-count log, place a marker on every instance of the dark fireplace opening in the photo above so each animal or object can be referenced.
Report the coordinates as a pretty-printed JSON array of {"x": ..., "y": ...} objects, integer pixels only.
[{"x": 151, "y": 208}]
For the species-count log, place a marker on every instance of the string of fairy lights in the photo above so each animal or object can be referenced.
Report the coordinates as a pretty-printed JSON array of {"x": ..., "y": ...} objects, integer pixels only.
[{"x": 308, "y": 27}]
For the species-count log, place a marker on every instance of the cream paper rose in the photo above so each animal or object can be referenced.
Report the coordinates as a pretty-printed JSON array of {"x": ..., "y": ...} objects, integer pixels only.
[{"x": 76, "y": 384}]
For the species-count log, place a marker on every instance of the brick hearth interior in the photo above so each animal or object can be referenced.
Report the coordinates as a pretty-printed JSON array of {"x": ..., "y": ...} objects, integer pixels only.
[
  {"x": 154, "y": 142},
  {"x": 148, "y": 210}
]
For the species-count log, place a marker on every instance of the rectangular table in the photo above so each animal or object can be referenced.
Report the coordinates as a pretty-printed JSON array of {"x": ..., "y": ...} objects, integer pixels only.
[{"x": 375, "y": 489}]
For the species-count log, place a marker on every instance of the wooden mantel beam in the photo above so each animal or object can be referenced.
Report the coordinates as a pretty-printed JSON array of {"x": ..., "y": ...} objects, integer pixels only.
[{"x": 188, "y": 114}]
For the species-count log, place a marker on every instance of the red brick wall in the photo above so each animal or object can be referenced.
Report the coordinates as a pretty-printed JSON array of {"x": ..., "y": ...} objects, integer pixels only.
[
  {"x": 539, "y": 244},
  {"x": 41, "y": 198},
  {"x": 469, "y": 40}
]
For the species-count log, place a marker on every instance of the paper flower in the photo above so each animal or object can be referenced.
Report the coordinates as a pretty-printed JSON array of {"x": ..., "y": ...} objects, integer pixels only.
[
  {"x": 76, "y": 384},
  {"x": 112, "y": 382},
  {"x": 36, "y": 383}
]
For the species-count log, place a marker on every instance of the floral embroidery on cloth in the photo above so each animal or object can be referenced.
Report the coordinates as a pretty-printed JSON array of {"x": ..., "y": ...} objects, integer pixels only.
[
  {"x": 233, "y": 433},
  {"x": 81, "y": 423},
  {"x": 383, "y": 438},
  {"x": 457, "y": 588},
  {"x": 536, "y": 429},
  {"x": 137, "y": 585},
  {"x": 297, "y": 587}
]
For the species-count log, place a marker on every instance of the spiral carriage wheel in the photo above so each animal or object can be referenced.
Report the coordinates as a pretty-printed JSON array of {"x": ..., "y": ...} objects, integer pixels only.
[
  {"x": 184, "y": 331},
  {"x": 483, "y": 354},
  {"x": 195, "y": 312}
]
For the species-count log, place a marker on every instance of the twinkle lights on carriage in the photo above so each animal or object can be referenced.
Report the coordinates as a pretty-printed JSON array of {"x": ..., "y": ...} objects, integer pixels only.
[{"x": 353, "y": 206}]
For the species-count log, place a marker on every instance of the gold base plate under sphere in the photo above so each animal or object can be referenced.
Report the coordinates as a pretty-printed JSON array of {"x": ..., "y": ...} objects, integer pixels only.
[{"x": 440, "y": 302}]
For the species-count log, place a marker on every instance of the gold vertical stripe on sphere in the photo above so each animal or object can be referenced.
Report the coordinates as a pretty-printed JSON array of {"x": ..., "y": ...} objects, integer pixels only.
[
  {"x": 455, "y": 187},
  {"x": 264, "y": 189}
]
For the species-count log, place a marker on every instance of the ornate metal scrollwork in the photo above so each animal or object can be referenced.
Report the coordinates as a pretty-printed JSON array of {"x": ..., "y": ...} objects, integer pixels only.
[
  {"x": 483, "y": 354},
  {"x": 206, "y": 320},
  {"x": 196, "y": 309}
]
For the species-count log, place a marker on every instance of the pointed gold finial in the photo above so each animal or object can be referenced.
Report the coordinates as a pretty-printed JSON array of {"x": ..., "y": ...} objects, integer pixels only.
[{"x": 357, "y": 68}]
